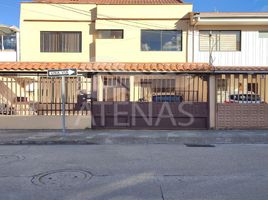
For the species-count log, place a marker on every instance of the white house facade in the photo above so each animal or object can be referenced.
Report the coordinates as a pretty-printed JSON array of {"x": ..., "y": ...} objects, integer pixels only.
[
  {"x": 229, "y": 39},
  {"x": 9, "y": 43}
]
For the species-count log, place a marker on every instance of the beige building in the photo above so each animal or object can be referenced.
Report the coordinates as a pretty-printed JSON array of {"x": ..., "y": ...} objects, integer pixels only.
[
  {"x": 104, "y": 31},
  {"x": 142, "y": 64}
]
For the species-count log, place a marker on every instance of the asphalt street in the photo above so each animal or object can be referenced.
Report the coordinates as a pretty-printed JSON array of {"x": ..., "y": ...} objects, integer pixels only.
[{"x": 134, "y": 172}]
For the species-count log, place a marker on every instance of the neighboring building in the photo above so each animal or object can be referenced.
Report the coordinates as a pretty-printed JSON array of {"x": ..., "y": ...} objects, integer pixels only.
[
  {"x": 236, "y": 44},
  {"x": 9, "y": 43},
  {"x": 229, "y": 39},
  {"x": 143, "y": 64}
]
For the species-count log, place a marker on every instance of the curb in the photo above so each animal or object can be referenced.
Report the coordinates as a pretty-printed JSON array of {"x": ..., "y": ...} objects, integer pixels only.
[{"x": 138, "y": 140}]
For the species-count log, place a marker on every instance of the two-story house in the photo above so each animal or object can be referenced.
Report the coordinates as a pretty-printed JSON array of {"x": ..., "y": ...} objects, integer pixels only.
[
  {"x": 143, "y": 64},
  {"x": 236, "y": 44},
  {"x": 132, "y": 52}
]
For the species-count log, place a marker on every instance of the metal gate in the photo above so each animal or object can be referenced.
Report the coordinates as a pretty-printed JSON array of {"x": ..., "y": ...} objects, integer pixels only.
[
  {"x": 242, "y": 101},
  {"x": 27, "y": 94},
  {"x": 151, "y": 102}
]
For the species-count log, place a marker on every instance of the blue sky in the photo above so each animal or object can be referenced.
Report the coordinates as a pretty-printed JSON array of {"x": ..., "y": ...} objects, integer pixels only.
[{"x": 9, "y": 9}]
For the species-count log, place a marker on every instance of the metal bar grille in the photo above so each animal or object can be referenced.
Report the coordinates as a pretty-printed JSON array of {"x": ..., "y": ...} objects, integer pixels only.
[
  {"x": 154, "y": 88},
  {"x": 242, "y": 88},
  {"x": 32, "y": 94}
]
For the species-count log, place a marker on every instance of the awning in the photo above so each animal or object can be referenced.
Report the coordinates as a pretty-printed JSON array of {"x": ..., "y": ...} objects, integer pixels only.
[
  {"x": 7, "y": 30},
  {"x": 107, "y": 67}
]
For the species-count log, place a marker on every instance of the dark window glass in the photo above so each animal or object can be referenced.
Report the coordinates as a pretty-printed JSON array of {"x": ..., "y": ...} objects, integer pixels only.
[
  {"x": 151, "y": 40},
  {"x": 161, "y": 40},
  {"x": 253, "y": 87},
  {"x": 61, "y": 41},
  {"x": 8, "y": 42},
  {"x": 222, "y": 84},
  {"x": 110, "y": 34}
]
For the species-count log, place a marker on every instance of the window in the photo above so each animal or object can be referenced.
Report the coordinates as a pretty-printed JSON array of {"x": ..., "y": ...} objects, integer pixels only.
[
  {"x": 61, "y": 41},
  {"x": 116, "y": 88},
  {"x": 253, "y": 87},
  {"x": 222, "y": 84},
  {"x": 161, "y": 40},
  {"x": 220, "y": 40},
  {"x": 263, "y": 34},
  {"x": 8, "y": 42},
  {"x": 159, "y": 85},
  {"x": 110, "y": 34}
]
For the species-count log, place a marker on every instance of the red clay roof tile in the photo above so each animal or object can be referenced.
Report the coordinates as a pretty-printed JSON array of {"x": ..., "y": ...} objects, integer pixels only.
[
  {"x": 241, "y": 68},
  {"x": 115, "y": 2},
  {"x": 106, "y": 67}
]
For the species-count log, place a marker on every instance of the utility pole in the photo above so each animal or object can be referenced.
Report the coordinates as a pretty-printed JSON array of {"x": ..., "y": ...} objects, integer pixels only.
[{"x": 210, "y": 49}]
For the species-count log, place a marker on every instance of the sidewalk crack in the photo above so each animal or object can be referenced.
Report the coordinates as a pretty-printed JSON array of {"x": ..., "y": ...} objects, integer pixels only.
[{"x": 162, "y": 193}]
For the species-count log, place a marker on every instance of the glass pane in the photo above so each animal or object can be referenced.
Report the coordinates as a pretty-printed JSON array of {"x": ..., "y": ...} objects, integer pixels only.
[
  {"x": 70, "y": 42},
  {"x": 171, "y": 41},
  {"x": 10, "y": 42},
  {"x": 150, "y": 40},
  {"x": 50, "y": 42}
]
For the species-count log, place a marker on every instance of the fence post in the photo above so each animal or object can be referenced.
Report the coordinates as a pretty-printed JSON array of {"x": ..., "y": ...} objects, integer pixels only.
[{"x": 63, "y": 104}]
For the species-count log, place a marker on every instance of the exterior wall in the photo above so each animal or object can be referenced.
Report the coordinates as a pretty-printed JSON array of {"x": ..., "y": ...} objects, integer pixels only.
[
  {"x": 143, "y": 11},
  {"x": 81, "y": 17},
  {"x": 54, "y": 17},
  {"x": 129, "y": 48},
  {"x": 44, "y": 122},
  {"x": 125, "y": 17},
  {"x": 8, "y": 56},
  {"x": 242, "y": 116},
  {"x": 18, "y": 46},
  {"x": 253, "y": 52}
]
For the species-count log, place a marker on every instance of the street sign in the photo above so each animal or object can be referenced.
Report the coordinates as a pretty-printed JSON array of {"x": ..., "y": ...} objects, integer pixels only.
[{"x": 62, "y": 72}]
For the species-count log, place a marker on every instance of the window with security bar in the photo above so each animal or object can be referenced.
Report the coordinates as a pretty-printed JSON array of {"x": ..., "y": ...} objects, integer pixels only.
[{"x": 242, "y": 88}]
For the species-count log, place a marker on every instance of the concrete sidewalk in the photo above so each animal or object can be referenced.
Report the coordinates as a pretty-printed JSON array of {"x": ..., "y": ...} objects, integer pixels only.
[{"x": 31, "y": 137}]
